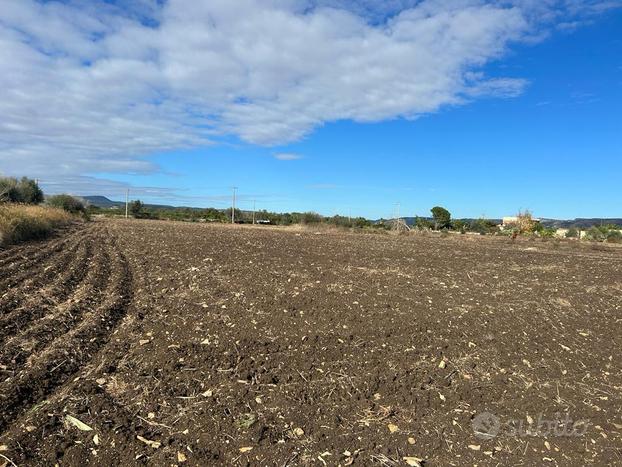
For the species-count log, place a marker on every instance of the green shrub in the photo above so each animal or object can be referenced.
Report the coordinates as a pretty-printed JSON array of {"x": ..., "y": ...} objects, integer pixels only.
[
  {"x": 483, "y": 226},
  {"x": 67, "y": 203},
  {"x": 137, "y": 209},
  {"x": 423, "y": 224},
  {"x": 572, "y": 233},
  {"x": 595, "y": 234},
  {"x": 614, "y": 236},
  {"x": 459, "y": 226},
  {"x": 310, "y": 218},
  {"x": 547, "y": 232},
  {"x": 25, "y": 191}
]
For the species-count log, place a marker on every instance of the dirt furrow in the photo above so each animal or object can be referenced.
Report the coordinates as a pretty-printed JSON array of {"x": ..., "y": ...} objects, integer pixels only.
[
  {"x": 46, "y": 371},
  {"x": 23, "y": 251},
  {"x": 41, "y": 288},
  {"x": 22, "y": 309},
  {"x": 63, "y": 317},
  {"x": 19, "y": 265},
  {"x": 25, "y": 281}
]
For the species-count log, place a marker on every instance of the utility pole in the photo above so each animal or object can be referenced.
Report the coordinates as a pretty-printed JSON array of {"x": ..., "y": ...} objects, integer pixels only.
[
  {"x": 398, "y": 223},
  {"x": 254, "y": 201},
  {"x": 127, "y": 202},
  {"x": 233, "y": 206}
]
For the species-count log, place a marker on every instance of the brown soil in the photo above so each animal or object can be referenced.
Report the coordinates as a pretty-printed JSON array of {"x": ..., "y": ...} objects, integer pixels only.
[{"x": 187, "y": 344}]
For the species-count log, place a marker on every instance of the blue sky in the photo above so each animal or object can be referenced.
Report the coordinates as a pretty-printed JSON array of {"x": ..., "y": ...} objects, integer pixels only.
[{"x": 536, "y": 126}]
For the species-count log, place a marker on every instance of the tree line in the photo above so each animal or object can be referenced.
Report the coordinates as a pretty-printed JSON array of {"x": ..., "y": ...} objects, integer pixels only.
[{"x": 27, "y": 191}]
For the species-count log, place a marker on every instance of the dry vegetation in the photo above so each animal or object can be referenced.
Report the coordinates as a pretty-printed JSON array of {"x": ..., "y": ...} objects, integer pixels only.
[{"x": 21, "y": 222}]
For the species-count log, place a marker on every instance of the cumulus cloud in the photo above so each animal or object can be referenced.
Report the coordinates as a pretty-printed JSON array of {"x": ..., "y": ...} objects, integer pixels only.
[{"x": 88, "y": 87}]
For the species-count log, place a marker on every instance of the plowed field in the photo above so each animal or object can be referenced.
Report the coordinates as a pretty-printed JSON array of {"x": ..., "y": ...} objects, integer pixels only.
[{"x": 156, "y": 343}]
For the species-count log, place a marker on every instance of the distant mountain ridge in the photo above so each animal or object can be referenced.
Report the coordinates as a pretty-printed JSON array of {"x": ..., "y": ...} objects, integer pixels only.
[
  {"x": 579, "y": 222},
  {"x": 103, "y": 202}
]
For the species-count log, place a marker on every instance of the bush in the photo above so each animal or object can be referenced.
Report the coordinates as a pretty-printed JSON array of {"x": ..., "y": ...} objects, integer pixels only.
[
  {"x": 20, "y": 191},
  {"x": 361, "y": 223},
  {"x": 595, "y": 234},
  {"x": 547, "y": 232},
  {"x": 67, "y": 203},
  {"x": 526, "y": 224},
  {"x": 572, "y": 233},
  {"x": 20, "y": 222},
  {"x": 483, "y": 226},
  {"x": 459, "y": 226},
  {"x": 137, "y": 208},
  {"x": 614, "y": 236},
  {"x": 213, "y": 214},
  {"x": 423, "y": 224},
  {"x": 310, "y": 218}
]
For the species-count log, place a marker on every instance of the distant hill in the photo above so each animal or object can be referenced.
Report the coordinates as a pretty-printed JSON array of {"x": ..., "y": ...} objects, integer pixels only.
[
  {"x": 582, "y": 223},
  {"x": 103, "y": 202}
]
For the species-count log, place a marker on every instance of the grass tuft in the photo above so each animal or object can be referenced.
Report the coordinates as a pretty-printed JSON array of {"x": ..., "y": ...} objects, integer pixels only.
[{"x": 21, "y": 222}]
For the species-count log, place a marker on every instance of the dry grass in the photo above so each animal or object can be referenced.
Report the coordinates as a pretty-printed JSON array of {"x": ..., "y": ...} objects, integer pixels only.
[{"x": 19, "y": 222}]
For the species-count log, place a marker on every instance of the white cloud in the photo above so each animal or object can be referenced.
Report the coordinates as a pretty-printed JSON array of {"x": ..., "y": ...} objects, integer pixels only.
[
  {"x": 88, "y": 87},
  {"x": 287, "y": 156}
]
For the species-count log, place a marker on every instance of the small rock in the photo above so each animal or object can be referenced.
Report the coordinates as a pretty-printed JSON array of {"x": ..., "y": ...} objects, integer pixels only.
[{"x": 413, "y": 461}]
